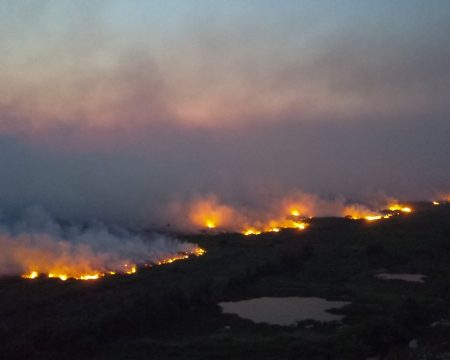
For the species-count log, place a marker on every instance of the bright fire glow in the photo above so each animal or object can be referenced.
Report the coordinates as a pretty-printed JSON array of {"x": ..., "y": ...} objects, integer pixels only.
[
  {"x": 275, "y": 226},
  {"x": 62, "y": 277},
  {"x": 290, "y": 212},
  {"x": 128, "y": 269},
  {"x": 208, "y": 213},
  {"x": 251, "y": 232},
  {"x": 295, "y": 213},
  {"x": 90, "y": 277},
  {"x": 31, "y": 275},
  {"x": 199, "y": 251},
  {"x": 398, "y": 207},
  {"x": 436, "y": 203},
  {"x": 373, "y": 217},
  {"x": 357, "y": 212},
  {"x": 210, "y": 224},
  {"x": 300, "y": 225}
]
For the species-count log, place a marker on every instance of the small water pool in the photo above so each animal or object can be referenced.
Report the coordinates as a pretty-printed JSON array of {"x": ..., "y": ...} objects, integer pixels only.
[
  {"x": 420, "y": 278},
  {"x": 284, "y": 310}
]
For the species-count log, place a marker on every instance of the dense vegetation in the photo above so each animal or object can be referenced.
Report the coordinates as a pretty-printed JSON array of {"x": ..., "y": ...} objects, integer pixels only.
[{"x": 170, "y": 312}]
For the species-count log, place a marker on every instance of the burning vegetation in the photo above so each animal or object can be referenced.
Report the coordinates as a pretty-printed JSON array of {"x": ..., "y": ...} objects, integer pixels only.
[
  {"x": 389, "y": 211},
  {"x": 44, "y": 249},
  {"x": 210, "y": 214},
  {"x": 36, "y": 245},
  {"x": 127, "y": 269}
]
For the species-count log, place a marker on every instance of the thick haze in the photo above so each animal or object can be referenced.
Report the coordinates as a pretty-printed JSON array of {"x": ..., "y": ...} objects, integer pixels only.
[{"x": 116, "y": 110}]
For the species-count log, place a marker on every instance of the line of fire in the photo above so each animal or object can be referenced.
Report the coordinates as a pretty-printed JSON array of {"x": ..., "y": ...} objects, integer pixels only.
[{"x": 291, "y": 219}]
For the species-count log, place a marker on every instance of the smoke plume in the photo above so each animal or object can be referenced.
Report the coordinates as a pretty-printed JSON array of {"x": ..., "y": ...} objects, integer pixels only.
[
  {"x": 37, "y": 243},
  {"x": 211, "y": 212}
]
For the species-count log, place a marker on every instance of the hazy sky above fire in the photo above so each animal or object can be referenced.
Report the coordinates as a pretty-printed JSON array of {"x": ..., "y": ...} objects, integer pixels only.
[{"x": 112, "y": 109}]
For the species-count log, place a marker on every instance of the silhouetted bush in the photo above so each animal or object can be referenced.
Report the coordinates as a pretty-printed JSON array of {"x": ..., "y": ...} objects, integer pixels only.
[
  {"x": 382, "y": 333},
  {"x": 375, "y": 250}
]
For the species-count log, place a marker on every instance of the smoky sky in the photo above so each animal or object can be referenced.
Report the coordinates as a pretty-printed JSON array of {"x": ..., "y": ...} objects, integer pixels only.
[
  {"x": 111, "y": 110},
  {"x": 408, "y": 160}
]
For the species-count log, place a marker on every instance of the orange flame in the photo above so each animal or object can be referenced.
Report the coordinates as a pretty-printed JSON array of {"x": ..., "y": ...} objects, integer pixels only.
[
  {"x": 31, "y": 275},
  {"x": 208, "y": 213},
  {"x": 291, "y": 212},
  {"x": 128, "y": 269},
  {"x": 399, "y": 207}
]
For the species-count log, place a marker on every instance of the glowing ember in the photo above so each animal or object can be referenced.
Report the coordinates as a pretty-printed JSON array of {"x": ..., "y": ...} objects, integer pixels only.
[
  {"x": 199, "y": 251},
  {"x": 275, "y": 226},
  {"x": 130, "y": 269},
  {"x": 62, "y": 277},
  {"x": 31, "y": 275},
  {"x": 373, "y": 217},
  {"x": 295, "y": 213},
  {"x": 359, "y": 212},
  {"x": 356, "y": 212},
  {"x": 210, "y": 224},
  {"x": 397, "y": 207},
  {"x": 90, "y": 277},
  {"x": 436, "y": 203},
  {"x": 65, "y": 277},
  {"x": 251, "y": 232},
  {"x": 209, "y": 213},
  {"x": 366, "y": 217},
  {"x": 300, "y": 226}
]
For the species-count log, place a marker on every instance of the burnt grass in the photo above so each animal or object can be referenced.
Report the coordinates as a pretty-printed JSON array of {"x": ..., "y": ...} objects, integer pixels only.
[{"x": 171, "y": 312}]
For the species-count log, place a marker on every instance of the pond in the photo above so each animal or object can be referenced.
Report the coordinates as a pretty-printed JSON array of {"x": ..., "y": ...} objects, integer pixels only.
[
  {"x": 404, "y": 277},
  {"x": 284, "y": 311}
]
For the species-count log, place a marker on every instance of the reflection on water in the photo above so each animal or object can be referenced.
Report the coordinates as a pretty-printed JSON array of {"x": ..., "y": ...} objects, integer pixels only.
[
  {"x": 405, "y": 277},
  {"x": 284, "y": 311}
]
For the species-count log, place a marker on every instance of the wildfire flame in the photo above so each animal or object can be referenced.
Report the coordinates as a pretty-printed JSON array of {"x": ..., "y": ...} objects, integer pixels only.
[
  {"x": 208, "y": 213},
  {"x": 251, "y": 232},
  {"x": 31, "y": 275},
  {"x": 128, "y": 269},
  {"x": 356, "y": 212},
  {"x": 275, "y": 226},
  {"x": 210, "y": 224},
  {"x": 287, "y": 214},
  {"x": 401, "y": 208},
  {"x": 293, "y": 211},
  {"x": 373, "y": 217}
]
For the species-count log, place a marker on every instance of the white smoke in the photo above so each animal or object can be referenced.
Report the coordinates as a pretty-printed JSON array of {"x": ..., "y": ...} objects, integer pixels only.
[
  {"x": 36, "y": 242},
  {"x": 210, "y": 210}
]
